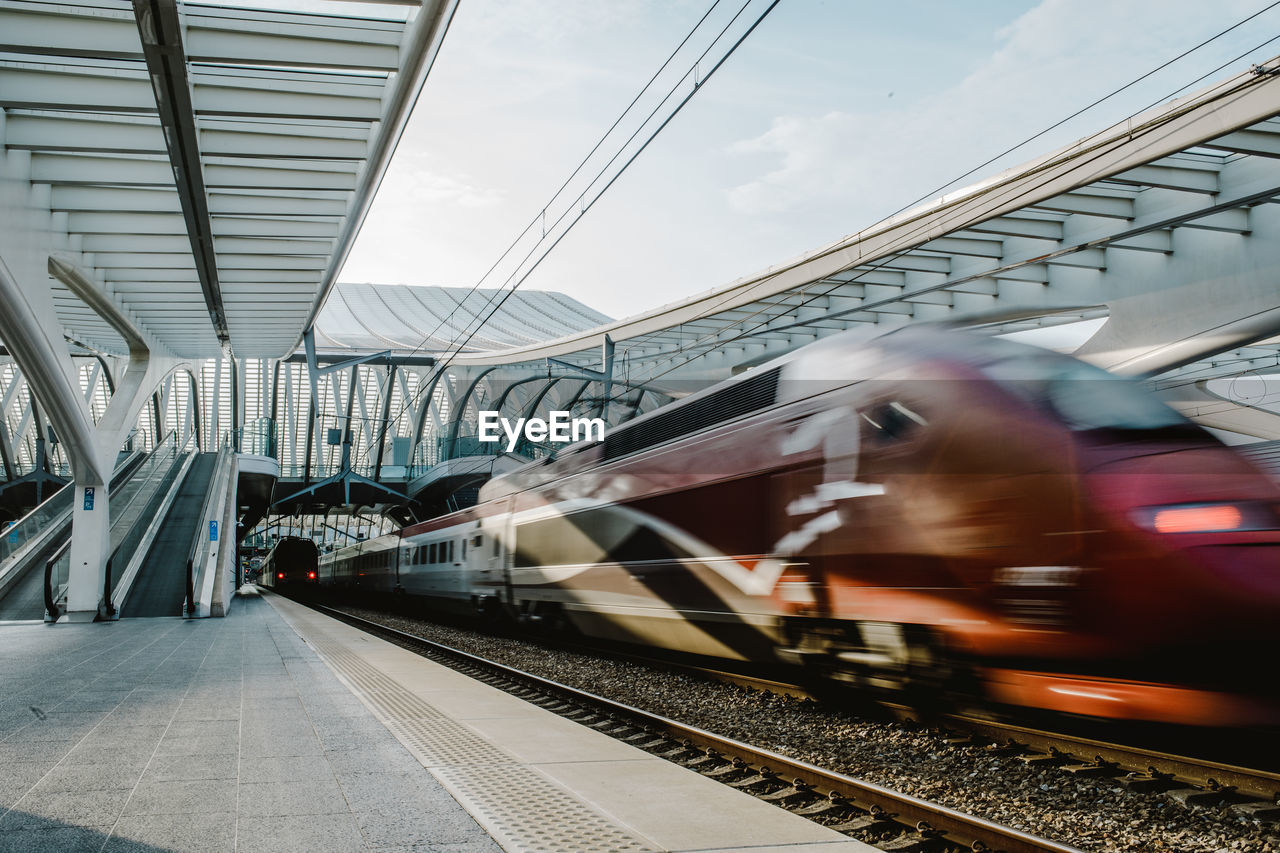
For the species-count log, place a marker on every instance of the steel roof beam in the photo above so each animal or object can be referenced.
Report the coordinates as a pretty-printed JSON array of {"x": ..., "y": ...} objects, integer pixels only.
[
  {"x": 68, "y": 132},
  {"x": 56, "y": 131},
  {"x": 1170, "y": 178},
  {"x": 1249, "y": 141},
  {"x": 1019, "y": 226},
  {"x": 283, "y": 38},
  {"x": 1088, "y": 204},
  {"x": 160, "y": 28},
  {"x": 46, "y": 29},
  {"x": 245, "y": 97},
  {"x": 86, "y": 88}
]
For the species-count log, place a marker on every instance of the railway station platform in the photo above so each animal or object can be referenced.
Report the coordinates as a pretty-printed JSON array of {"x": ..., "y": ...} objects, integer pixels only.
[{"x": 280, "y": 729}]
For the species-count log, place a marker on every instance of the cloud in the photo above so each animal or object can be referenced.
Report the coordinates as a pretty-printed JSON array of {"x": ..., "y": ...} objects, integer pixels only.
[
  {"x": 1049, "y": 62},
  {"x": 816, "y": 162},
  {"x": 451, "y": 189}
]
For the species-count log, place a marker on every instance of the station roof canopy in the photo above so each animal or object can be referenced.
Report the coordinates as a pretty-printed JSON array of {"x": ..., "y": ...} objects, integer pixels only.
[
  {"x": 210, "y": 164},
  {"x": 441, "y": 319}
]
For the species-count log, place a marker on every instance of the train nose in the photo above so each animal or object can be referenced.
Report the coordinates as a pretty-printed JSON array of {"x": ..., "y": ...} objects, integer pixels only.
[{"x": 1207, "y": 520}]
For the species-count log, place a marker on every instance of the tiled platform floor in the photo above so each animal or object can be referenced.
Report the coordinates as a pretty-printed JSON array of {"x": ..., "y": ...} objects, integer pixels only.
[{"x": 204, "y": 735}]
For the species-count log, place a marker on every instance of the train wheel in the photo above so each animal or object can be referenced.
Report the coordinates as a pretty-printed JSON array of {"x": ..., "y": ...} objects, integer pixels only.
[{"x": 935, "y": 679}]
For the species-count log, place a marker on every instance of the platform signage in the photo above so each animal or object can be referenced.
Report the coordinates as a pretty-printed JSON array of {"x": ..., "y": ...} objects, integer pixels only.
[
  {"x": 213, "y": 531},
  {"x": 88, "y": 498}
]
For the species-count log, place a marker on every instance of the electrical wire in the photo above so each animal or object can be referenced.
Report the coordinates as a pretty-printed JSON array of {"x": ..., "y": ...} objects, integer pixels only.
[
  {"x": 713, "y": 336},
  {"x": 699, "y": 82}
]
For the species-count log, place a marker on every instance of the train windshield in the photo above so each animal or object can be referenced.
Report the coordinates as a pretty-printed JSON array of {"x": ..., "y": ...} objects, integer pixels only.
[{"x": 1083, "y": 396}]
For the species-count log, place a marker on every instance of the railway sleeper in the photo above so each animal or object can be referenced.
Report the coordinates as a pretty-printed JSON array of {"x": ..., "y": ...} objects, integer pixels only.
[
  {"x": 915, "y": 843},
  {"x": 1097, "y": 769},
  {"x": 1207, "y": 798},
  {"x": 765, "y": 781},
  {"x": 1259, "y": 810},
  {"x": 793, "y": 797},
  {"x": 1053, "y": 758},
  {"x": 1152, "y": 782},
  {"x": 735, "y": 767},
  {"x": 875, "y": 822},
  {"x": 828, "y": 806}
]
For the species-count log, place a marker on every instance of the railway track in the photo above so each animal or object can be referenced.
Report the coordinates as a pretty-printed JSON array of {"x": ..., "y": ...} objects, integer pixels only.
[
  {"x": 1192, "y": 782},
  {"x": 888, "y": 819}
]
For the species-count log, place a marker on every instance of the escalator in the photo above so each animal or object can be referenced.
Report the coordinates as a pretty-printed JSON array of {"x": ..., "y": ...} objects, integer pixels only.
[
  {"x": 37, "y": 535},
  {"x": 160, "y": 587}
]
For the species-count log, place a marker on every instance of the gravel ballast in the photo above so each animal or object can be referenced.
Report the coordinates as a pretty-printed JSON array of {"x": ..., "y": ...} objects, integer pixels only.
[{"x": 1093, "y": 814}]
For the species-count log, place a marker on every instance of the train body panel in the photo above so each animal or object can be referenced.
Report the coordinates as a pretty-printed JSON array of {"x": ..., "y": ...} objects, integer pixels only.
[
  {"x": 291, "y": 560},
  {"x": 872, "y": 507}
]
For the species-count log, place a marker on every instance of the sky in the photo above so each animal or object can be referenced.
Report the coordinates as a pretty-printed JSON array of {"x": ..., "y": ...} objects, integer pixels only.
[{"x": 831, "y": 116}]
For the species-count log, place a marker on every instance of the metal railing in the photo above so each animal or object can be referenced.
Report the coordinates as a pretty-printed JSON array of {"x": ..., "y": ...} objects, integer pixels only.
[
  {"x": 257, "y": 438},
  {"x": 36, "y": 522}
]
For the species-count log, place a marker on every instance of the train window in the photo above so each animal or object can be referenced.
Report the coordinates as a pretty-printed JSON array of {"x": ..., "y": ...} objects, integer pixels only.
[
  {"x": 450, "y": 550},
  {"x": 1081, "y": 395},
  {"x": 431, "y": 553},
  {"x": 892, "y": 421},
  {"x": 477, "y": 540},
  {"x": 464, "y": 549}
]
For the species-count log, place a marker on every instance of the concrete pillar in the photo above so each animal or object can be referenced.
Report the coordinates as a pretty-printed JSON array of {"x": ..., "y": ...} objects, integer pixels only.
[{"x": 90, "y": 546}]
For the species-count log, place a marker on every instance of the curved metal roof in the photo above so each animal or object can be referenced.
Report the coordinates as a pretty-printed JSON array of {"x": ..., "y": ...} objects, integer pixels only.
[
  {"x": 435, "y": 320},
  {"x": 208, "y": 167}
]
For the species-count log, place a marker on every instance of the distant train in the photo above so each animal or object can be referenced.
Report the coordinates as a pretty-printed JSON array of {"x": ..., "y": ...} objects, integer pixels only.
[
  {"x": 292, "y": 560},
  {"x": 912, "y": 511}
]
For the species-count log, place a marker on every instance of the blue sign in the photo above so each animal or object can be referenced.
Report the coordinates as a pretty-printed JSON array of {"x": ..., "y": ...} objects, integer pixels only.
[
  {"x": 88, "y": 498},
  {"x": 213, "y": 531},
  {"x": 12, "y": 527}
]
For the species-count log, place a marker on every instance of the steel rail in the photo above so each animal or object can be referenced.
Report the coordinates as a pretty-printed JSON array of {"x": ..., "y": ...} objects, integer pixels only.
[
  {"x": 1199, "y": 772},
  {"x": 930, "y": 820}
]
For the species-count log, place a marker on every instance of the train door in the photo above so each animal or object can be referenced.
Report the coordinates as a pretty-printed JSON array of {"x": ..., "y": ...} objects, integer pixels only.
[{"x": 487, "y": 560}]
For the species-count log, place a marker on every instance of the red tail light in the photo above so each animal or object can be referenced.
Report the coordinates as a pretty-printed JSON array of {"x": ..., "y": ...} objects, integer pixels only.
[
  {"x": 1197, "y": 519},
  {"x": 280, "y": 575},
  {"x": 1209, "y": 517},
  {"x": 311, "y": 575}
]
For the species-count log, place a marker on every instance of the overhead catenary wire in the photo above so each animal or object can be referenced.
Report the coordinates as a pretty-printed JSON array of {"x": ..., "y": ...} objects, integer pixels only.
[{"x": 517, "y": 277}]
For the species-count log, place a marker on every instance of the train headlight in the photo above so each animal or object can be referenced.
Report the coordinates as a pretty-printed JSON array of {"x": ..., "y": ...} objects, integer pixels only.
[{"x": 1207, "y": 517}]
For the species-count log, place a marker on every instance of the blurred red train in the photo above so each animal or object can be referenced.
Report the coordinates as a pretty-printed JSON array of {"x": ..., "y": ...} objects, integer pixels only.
[{"x": 915, "y": 511}]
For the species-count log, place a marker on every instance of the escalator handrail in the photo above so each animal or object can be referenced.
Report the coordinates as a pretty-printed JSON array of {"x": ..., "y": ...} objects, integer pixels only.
[
  {"x": 224, "y": 454},
  {"x": 50, "y": 602}
]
